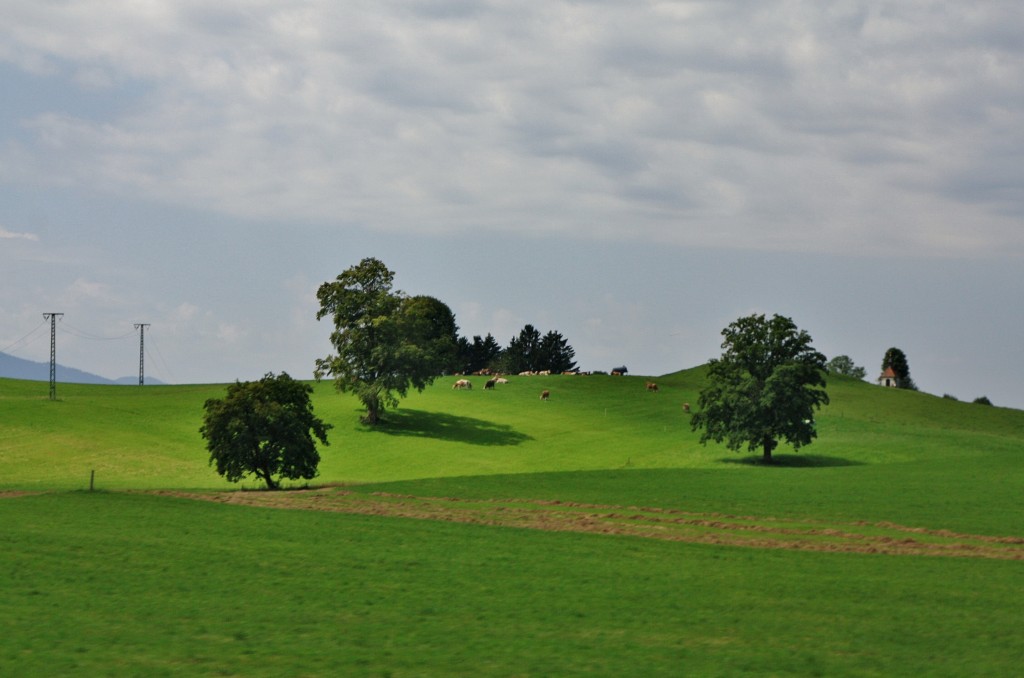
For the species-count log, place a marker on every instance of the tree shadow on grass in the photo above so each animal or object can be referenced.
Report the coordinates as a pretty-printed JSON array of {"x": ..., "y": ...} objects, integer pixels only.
[
  {"x": 792, "y": 461},
  {"x": 450, "y": 427}
]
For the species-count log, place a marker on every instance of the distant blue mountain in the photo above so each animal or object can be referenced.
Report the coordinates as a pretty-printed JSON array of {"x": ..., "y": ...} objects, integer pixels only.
[{"x": 19, "y": 368}]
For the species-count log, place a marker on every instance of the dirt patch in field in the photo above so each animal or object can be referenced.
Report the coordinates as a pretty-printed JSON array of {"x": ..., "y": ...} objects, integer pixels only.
[
  {"x": 8, "y": 494},
  {"x": 646, "y": 522}
]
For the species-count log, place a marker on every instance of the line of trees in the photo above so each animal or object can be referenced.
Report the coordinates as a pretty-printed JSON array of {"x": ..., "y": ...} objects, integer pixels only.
[{"x": 528, "y": 351}]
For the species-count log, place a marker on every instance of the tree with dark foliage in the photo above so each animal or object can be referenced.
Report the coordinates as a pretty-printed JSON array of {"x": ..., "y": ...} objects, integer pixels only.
[
  {"x": 265, "y": 428},
  {"x": 523, "y": 352},
  {"x": 531, "y": 352},
  {"x": 474, "y": 357},
  {"x": 385, "y": 342},
  {"x": 555, "y": 354},
  {"x": 897, "y": 360},
  {"x": 764, "y": 388}
]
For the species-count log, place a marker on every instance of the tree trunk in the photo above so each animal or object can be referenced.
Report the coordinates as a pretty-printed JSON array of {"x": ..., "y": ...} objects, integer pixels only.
[
  {"x": 372, "y": 414},
  {"x": 769, "y": 445}
]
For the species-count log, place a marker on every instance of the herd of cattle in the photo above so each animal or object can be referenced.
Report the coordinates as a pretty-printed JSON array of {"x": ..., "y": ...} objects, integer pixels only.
[{"x": 466, "y": 384}]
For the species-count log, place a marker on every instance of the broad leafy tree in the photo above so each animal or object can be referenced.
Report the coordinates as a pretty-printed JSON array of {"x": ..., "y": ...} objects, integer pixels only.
[
  {"x": 385, "y": 342},
  {"x": 429, "y": 326},
  {"x": 265, "y": 428},
  {"x": 897, "y": 360},
  {"x": 844, "y": 365},
  {"x": 764, "y": 388}
]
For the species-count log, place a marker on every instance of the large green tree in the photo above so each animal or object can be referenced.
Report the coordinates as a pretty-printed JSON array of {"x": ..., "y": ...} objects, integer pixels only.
[
  {"x": 385, "y": 342},
  {"x": 265, "y": 428},
  {"x": 764, "y": 388}
]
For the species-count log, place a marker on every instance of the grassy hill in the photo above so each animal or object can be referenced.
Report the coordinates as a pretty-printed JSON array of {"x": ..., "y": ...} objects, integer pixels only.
[
  {"x": 880, "y": 452},
  {"x": 587, "y": 535}
]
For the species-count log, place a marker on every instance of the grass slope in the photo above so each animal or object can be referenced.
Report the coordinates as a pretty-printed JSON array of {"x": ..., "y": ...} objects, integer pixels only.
[
  {"x": 882, "y": 454},
  {"x": 118, "y": 583},
  {"x": 126, "y": 584}
]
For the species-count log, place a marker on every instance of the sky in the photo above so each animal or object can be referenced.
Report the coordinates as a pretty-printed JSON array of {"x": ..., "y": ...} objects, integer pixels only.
[{"x": 634, "y": 175}]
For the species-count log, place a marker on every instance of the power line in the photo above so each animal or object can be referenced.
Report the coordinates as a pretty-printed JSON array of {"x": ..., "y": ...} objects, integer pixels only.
[
  {"x": 83, "y": 334},
  {"x": 160, "y": 358},
  {"x": 7, "y": 348}
]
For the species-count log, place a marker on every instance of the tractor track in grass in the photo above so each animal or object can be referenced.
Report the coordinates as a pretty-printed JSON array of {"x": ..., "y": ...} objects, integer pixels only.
[{"x": 646, "y": 522}]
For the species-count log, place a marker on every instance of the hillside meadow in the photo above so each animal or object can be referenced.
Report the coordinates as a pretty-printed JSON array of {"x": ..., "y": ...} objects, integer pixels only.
[{"x": 490, "y": 533}]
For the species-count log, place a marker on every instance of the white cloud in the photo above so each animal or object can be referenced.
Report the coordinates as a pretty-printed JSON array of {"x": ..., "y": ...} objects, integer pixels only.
[
  {"x": 183, "y": 313},
  {"x": 11, "y": 235},
  {"x": 83, "y": 292},
  {"x": 229, "y": 334},
  {"x": 849, "y": 127}
]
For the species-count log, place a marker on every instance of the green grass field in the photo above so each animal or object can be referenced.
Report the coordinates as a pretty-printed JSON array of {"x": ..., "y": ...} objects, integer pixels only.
[{"x": 587, "y": 535}]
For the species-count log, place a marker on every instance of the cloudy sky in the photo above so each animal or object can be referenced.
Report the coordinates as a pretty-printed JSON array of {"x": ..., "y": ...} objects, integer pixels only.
[{"x": 635, "y": 175}]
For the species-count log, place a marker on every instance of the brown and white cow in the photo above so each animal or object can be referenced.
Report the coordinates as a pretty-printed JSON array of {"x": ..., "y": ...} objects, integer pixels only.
[
  {"x": 651, "y": 386},
  {"x": 463, "y": 383},
  {"x": 545, "y": 394}
]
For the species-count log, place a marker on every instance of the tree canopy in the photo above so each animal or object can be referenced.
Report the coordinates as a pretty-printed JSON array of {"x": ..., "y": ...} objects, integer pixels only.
[
  {"x": 533, "y": 352},
  {"x": 385, "y": 341},
  {"x": 523, "y": 351},
  {"x": 556, "y": 354},
  {"x": 897, "y": 360},
  {"x": 764, "y": 388},
  {"x": 265, "y": 428},
  {"x": 844, "y": 365},
  {"x": 480, "y": 354}
]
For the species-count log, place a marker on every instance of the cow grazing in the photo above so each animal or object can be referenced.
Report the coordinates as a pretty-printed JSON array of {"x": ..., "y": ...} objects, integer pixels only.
[
  {"x": 686, "y": 407},
  {"x": 489, "y": 386},
  {"x": 544, "y": 395},
  {"x": 651, "y": 386},
  {"x": 463, "y": 383}
]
